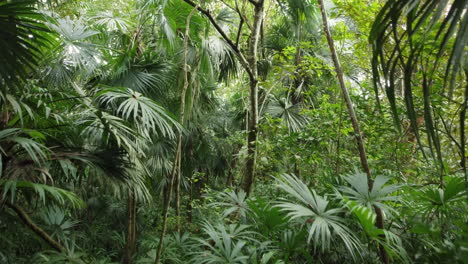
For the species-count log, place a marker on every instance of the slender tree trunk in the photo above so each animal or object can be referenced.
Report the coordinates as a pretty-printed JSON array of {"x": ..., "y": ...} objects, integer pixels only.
[
  {"x": 176, "y": 171},
  {"x": 250, "y": 66},
  {"x": 35, "y": 228},
  {"x": 462, "y": 130},
  {"x": 189, "y": 204},
  {"x": 253, "y": 118},
  {"x": 2, "y": 204},
  {"x": 131, "y": 229},
  {"x": 177, "y": 186},
  {"x": 232, "y": 165},
  {"x": 167, "y": 201},
  {"x": 357, "y": 131}
]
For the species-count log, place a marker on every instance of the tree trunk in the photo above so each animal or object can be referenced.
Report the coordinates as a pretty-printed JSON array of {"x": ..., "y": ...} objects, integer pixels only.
[
  {"x": 131, "y": 229},
  {"x": 251, "y": 139},
  {"x": 250, "y": 66},
  {"x": 177, "y": 185},
  {"x": 167, "y": 201},
  {"x": 462, "y": 130},
  {"x": 36, "y": 229},
  {"x": 357, "y": 131},
  {"x": 176, "y": 171},
  {"x": 189, "y": 204},
  {"x": 253, "y": 118},
  {"x": 232, "y": 165}
]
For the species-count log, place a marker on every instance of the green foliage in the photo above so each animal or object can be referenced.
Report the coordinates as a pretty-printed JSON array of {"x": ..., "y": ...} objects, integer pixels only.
[
  {"x": 90, "y": 92},
  {"x": 23, "y": 34},
  {"x": 323, "y": 222},
  {"x": 235, "y": 203},
  {"x": 440, "y": 204},
  {"x": 12, "y": 187},
  {"x": 359, "y": 191},
  {"x": 138, "y": 109}
]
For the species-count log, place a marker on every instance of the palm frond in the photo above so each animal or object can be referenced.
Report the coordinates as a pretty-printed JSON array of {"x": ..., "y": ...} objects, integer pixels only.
[
  {"x": 111, "y": 22},
  {"x": 61, "y": 196},
  {"x": 438, "y": 204},
  {"x": 73, "y": 52},
  {"x": 101, "y": 128},
  {"x": 142, "y": 111},
  {"x": 389, "y": 240},
  {"x": 22, "y": 34},
  {"x": 380, "y": 193},
  {"x": 228, "y": 244},
  {"x": 149, "y": 79},
  {"x": 290, "y": 113},
  {"x": 324, "y": 223},
  {"x": 232, "y": 202}
]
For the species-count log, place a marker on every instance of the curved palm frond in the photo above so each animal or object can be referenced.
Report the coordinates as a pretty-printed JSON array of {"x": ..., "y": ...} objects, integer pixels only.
[
  {"x": 324, "y": 223},
  {"x": 160, "y": 156},
  {"x": 232, "y": 202},
  {"x": 148, "y": 79},
  {"x": 142, "y": 111},
  {"x": 22, "y": 34},
  {"x": 389, "y": 240},
  {"x": 73, "y": 53},
  {"x": 439, "y": 204},
  {"x": 111, "y": 22},
  {"x": 290, "y": 113},
  {"x": 101, "y": 128},
  {"x": 61, "y": 196},
  {"x": 380, "y": 193},
  {"x": 229, "y": 244},
  {"x": 24, "y": 146}
]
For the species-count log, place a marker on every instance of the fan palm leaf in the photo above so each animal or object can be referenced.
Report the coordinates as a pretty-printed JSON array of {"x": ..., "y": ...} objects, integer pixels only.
[
  {"x": 146, "y": 114},
  {"x": 288, "y": 112},
  {"x": 324, "y": 223},
  {"x": 73, "y": 53},
  {"x": 228, "y": 244},
  {"x": 380, "y": 193}
]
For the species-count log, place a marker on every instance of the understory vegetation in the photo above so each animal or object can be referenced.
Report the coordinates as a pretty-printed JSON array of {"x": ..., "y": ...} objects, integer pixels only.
[{"x": 233, "y": 131}]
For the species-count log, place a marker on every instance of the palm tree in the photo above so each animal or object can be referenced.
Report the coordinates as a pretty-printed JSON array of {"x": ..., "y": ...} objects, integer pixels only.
[
  {"x": 289, "y": 112},
  {"x": 104, "y": 131}
]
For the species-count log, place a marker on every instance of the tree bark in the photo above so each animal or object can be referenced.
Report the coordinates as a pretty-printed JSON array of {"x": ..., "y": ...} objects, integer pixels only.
[
  {"x": 35, "y": 228},
  {"x": 253, "y": 121},
  {"x": 130, "y": 248},
  {"x": 357, "y": 131}
]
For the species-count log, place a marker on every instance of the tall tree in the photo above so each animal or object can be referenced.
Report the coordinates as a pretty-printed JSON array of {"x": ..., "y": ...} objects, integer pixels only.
[
  {"x": 352, "y": 115},
  {"x": 176, "y": 170},
  {"x": 249, "y": 63}
]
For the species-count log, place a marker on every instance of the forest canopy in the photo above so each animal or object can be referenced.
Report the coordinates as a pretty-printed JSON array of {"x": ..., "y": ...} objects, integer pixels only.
[{"x": 233, "y": 131}]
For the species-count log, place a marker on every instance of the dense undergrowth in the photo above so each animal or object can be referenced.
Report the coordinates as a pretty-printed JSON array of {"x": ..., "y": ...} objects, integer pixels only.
[{"x": 177, "y": 131}]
